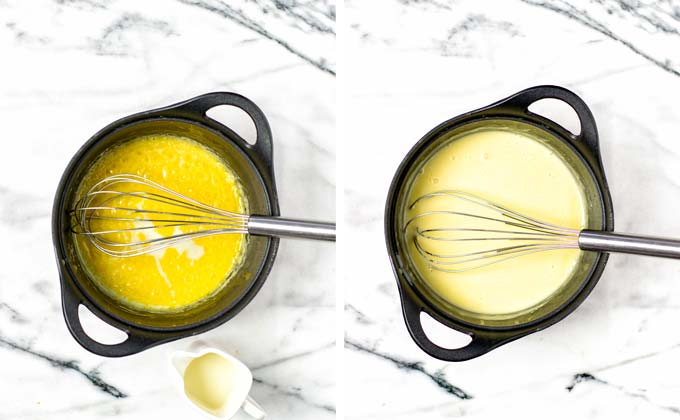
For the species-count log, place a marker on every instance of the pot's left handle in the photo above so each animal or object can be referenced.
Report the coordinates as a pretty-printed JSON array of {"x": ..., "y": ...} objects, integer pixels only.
[
  {"x": 133, "y": 344},
  {"x": 200, "y": 105},
  {"x": 479, "y": 345}
]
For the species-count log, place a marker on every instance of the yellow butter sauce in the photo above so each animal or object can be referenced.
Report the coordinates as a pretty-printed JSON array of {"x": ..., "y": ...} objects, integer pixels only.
[
  {"x": 520, "y": 173},
  {"x": 177, "y": 277}
]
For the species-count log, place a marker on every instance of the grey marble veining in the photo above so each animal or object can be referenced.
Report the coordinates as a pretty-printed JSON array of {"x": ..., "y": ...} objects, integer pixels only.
[
  {"x": 649, "y": 29},
  {"x": 69, "y": 68},
  {"x": 414, "y": 64}
]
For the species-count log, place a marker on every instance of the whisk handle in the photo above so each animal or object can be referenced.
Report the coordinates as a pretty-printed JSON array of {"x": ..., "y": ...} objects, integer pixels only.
[
  {"x": 291, "y": 228},
  {"x": 590, "y": 240}
]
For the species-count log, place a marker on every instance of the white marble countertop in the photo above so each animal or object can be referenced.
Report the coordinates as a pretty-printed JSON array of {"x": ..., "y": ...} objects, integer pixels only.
[
  {"x": 413, "y": 64},
  {"x": 68, "y": 68}
]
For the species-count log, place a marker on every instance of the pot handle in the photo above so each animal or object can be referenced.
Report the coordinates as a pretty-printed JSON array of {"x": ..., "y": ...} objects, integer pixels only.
[
  {"x": 200, "y": 105},
  {"x": 479, "y": 345},
  {"x": 525, "y": 98},
  {"x": 133, "y": 344}
]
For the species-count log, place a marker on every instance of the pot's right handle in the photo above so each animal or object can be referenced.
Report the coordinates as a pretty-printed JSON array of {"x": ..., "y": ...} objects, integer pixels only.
[
  {"x": 477, "y": 347},
  {"x": 200, "y": 105},
  {"x": 525, "y": 98}
]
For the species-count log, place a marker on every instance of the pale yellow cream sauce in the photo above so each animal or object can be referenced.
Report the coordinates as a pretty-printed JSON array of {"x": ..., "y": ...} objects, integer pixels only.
[{"x": 517, "y": 172}]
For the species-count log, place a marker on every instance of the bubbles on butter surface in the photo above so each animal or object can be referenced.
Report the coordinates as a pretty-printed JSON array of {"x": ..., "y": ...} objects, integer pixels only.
[{"x": 164, "y": 286}]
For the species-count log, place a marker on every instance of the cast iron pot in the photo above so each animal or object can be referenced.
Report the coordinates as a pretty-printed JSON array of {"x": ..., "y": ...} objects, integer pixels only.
[
  {"x": 580, "y": 152},
  {"x": 253, "y": 163}
]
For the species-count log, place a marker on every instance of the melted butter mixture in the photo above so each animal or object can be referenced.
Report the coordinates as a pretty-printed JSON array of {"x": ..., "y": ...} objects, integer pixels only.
[
  {"x": 517, "y": 172},
  {"x": 173, "y": 278}
]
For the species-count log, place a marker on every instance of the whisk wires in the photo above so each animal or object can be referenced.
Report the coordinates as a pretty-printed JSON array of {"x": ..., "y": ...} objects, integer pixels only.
[
  {"x": 478, "y": 232},
  {"x": 128, "y": 215}
]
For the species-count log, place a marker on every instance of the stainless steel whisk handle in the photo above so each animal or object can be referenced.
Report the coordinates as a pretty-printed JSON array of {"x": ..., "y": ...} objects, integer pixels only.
[
  {"x": 291, "y": 228},
  {"x": 590, "y": 240}
]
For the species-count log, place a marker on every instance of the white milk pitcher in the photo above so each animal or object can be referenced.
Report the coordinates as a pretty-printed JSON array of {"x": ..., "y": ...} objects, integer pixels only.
[{"x": 216, "y": 383}]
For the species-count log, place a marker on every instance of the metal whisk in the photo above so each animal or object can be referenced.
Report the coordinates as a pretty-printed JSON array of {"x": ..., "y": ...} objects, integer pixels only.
[
  {"x": 499, "y": 234},
  {"x": 129, "y": 215}
]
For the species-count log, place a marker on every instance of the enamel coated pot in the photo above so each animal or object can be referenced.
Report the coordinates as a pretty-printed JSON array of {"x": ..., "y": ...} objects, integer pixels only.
[
  {"x": 253, "y": 164},
  {"x": 580, "y": 152}
]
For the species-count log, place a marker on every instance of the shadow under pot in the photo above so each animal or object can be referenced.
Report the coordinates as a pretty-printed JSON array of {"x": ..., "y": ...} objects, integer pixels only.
[
  {"x": 252, "y": 165},
  {"x": 488, "y": 328}
]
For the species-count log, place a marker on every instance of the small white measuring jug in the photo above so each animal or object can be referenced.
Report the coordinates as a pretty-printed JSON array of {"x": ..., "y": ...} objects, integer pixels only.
[{"x": 215, "y": 382}]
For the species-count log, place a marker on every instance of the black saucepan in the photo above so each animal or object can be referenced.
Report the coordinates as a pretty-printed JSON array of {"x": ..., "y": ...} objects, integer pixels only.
[
  {"x": 253, "y": 163},
  {"x": 580, "y": 152}
]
